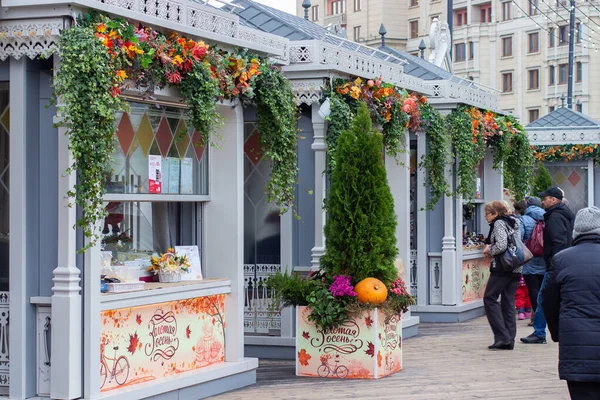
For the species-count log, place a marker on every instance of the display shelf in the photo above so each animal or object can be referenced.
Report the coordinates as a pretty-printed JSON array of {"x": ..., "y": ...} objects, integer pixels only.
[{"x": 157, "y": 292}]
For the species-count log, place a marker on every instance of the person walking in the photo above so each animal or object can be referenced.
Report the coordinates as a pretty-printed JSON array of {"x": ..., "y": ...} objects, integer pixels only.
[
  {"x": 531, "y": 212},
  {"x": 558, "y": 235},
  {"x": 501, "y": 315},
  {"x": 571, "y": 300}
]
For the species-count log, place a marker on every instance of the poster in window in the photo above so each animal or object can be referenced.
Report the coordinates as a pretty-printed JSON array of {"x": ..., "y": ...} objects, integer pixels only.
[
  {"x": 174, "y": 168},
  {"x": 193, "y": 255},
  {"x": 187, "y": 183},
  {"x": 154, "y": 174}
]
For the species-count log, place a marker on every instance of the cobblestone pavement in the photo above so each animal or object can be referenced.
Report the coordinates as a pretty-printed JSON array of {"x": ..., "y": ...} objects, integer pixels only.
[{"x": 446, "y": 361}]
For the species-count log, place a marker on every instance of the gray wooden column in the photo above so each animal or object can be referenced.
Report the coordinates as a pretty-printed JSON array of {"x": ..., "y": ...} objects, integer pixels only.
[
  {"x": 66, "y": 300},
  {"x": 319, "y": 148},
  {"x": 17, "y": 228}
]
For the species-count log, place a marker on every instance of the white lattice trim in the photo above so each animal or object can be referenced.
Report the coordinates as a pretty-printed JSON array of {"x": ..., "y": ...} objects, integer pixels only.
[
  {"x": 472, "y": 93},
  {"x": 559, "y": 136},
  {"x": 308, "y": 91},
  {"x": 30, "y": 38}
]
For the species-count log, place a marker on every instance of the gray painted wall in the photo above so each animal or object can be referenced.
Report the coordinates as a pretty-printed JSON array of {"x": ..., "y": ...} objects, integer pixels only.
[
  {"x": 596, "y": 187},
  {"x": 304, "y": 229}
]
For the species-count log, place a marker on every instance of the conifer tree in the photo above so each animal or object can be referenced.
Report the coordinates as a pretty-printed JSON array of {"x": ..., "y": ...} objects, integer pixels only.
[
  {"x": 543, "y": 180},
  {"x": 361, "y": 223}
]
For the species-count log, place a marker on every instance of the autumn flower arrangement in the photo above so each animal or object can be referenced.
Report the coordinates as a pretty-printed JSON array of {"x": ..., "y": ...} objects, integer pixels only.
[
  {"x": 568, "y": 152},
  {"x": 101, "y": 57},
  {"x": 169, "y": 266}
]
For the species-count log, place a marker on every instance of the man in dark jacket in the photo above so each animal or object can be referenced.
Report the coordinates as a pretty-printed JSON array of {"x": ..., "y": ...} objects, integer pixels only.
[
  {"x": 558, "y": 234},
  {"x": 572, "y": 307}
]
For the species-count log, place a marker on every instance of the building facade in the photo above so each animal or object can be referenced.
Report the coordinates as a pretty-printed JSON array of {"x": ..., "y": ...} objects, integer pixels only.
[{"x": 519, "y": 48}]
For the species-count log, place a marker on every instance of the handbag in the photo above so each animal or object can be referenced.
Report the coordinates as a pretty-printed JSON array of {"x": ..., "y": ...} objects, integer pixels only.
[{"x": 516, "y": 254}]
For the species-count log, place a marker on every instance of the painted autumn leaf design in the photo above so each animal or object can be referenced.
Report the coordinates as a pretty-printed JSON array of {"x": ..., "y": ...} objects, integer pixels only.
[
  {"x": 305, "y": 335},
  {"x": 371, "y": 350},
  {"x": 467, "y": 279},
  {"x": 188, "y": 331},
  {"x": 138, "y": 319},
  {"x": 303, "y": 357},
  {"x": 379, "y": 358},
  {"x": 134, "y": 340},
  {"x": 369, "y": 321}
]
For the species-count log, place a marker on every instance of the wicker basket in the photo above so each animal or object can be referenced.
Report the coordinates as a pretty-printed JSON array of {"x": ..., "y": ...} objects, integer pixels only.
[
  {"x": 167, "y": 277},
  {"x": 124, "y": 287}
]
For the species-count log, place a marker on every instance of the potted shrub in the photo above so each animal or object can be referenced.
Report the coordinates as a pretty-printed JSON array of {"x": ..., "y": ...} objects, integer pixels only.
[
  {"x": 169, "y": 266},
  {"x": 349, "y": 313}
]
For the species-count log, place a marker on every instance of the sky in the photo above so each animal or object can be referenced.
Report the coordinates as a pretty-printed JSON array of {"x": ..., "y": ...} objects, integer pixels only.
[{"x": 285, "y": 5}]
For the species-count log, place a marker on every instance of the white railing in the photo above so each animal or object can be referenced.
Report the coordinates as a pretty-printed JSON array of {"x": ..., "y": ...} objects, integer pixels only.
[
  {"x": 259, "y": 314},
  {"x": 466, "y": 92},
  {"x": 413, "y": 272}
]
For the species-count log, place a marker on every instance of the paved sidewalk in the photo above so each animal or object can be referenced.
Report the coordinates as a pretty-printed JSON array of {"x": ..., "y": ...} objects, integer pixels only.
[{"x": 446, "y": 361}]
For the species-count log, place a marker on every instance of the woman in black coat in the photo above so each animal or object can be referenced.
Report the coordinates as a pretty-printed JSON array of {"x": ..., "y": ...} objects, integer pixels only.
[{"x": 571, "y": 301}]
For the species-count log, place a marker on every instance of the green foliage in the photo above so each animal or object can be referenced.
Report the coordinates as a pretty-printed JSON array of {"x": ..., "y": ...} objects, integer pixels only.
[
  {"x": 200, "y": 91},
  {"x": 394, "y": 131},
  {"x": 520, "y": 161},
  {"x": 327, "y": 311},
  {"x": 435, "y": 161},
  {"x": 87, "y": 111},
  {"x": 339, "y": 119},
  {"x": 469, "y": 151},
  {"x": 361, "y": 225},
  {"x": 542, "y": 180},
  {"x": 292, "y": 289},
  {"x": 277, "y": 124}
]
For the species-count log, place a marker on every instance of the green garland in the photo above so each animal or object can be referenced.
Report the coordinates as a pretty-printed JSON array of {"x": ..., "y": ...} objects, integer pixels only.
[
  {"x": 521, "y": 162},
  {"x": 83, "y": 84},
  {"x": 98, "y": 54},
  {"x": 277, "y": 119},
  {"x": 435, "y": 160},
  {"x": 339, "y": 119},
  {"x": 468, "y": 151}
]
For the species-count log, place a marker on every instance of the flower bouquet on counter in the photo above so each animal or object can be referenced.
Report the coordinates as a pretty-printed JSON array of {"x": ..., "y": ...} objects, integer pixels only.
[{"x": 169, "y": 266}]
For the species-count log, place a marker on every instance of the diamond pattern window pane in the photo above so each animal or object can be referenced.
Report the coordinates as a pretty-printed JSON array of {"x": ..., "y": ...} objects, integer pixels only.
[
  {"x": 573, "y": 179},
  {"x": 150, "y": 130}
]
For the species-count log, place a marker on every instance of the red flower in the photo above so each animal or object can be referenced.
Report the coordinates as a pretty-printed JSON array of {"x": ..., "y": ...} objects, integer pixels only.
[
  {"x": 187, "y": 65},
  {"x": 175, "y": 77},
  {"x": 115, "y": 91},
  {"x": 199, "y": 52}
]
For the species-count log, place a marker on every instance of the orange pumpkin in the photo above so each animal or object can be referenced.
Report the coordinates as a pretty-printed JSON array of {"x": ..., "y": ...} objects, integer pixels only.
[{"x": 371, "y": 290}]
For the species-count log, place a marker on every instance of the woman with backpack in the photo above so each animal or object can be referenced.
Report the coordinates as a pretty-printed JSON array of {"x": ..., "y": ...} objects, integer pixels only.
[{"x": 532, "y": 214}]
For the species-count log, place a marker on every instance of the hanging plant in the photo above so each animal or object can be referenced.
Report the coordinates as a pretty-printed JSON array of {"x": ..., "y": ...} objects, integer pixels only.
[
  {"x": 339, "y": 119},
  {"x": 435, "y": 160},
  {"x": 468, "y": 149},
  {"x": 102, "y": 56},
  {"x": 567, "y": 152},
  {"x": 520, "y": 158},
  {"x": 277, "y": 117},
  {"x": 394, "y": 136}
]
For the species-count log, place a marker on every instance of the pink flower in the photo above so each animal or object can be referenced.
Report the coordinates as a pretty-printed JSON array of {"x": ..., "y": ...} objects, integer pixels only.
[{"x": 342, "y": 286}]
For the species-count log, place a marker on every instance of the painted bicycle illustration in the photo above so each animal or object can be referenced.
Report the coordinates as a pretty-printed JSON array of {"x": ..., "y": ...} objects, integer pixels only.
[
  {"x": 327, "y": 369},
  {"x": 119, "y": 371}
]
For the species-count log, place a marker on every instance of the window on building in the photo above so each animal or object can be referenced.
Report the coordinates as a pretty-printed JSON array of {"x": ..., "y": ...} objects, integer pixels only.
[
  {"x": 486, "y": 13},
  {"x": 506, "y": 15},
  {"x": 551, "y": 37},
  {"x": 578, "y": 34},
  {"x": 551, "y": 75},
  {"x": 315, "y": 13},
  {"x": 507, "y": 46},
  {"x": 414, "y": 29},
  {"x": 533, "y": 81},
  {"x": 533, "y": 42},
  {"x": 414, "y": 3},
  {"x": 336, "y": 7},
  {"x": 534, "y": 115},
  {"x": 533, "y": 7},
  {"x": 471, "y": 50},
  {"x": 578, "y": 71},
  {"x": 358, "y": 4},
  {"x": 579, "y": 107},
  {"x": 507, "y": 82},
  {"x": 459, "y": 52},
  {"x": 561, "y": 3},
  {"x": 551, "y": 108},
  {"x": 562, "y": 74},
  {"x": 563, "y": 35},
  {"x": 461, "y": 17},
  {"x": 357, "y": 33}
]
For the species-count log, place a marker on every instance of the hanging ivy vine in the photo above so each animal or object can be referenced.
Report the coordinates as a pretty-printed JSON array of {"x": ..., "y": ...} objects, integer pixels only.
[
  {"x": 101, "y": 56},
  {"x": 521, "y": 161},
  {"x": 339, "y": 119},
  {"x": 435, "y": 160},
  {"x": 394, "y": 136}
]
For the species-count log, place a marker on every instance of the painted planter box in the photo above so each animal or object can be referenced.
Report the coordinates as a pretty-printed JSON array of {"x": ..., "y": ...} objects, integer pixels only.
[
  {"x": 367, "y": 347},
  {"x": 476, "y": 272}
]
